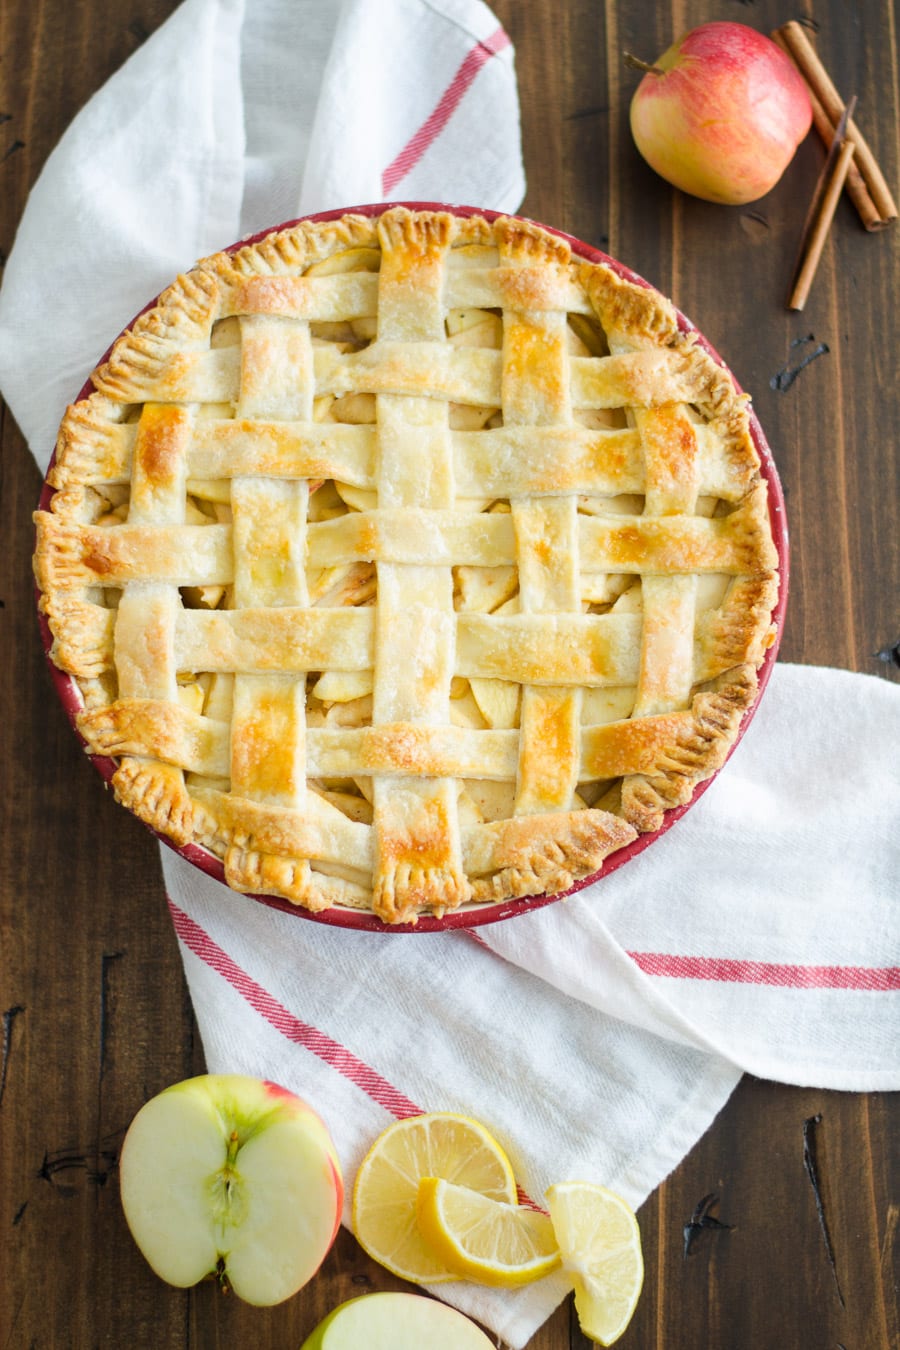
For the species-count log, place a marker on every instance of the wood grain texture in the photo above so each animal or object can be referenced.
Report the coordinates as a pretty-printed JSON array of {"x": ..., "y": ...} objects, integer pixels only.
[{"x": 96, "y": 1015}]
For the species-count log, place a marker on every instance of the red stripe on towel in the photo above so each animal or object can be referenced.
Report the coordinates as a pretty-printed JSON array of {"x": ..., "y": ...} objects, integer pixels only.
[
  {"x": 871, "y": 978},
  {"x": 449, "y": 101},
  {"x": 335, "y": 1055}
]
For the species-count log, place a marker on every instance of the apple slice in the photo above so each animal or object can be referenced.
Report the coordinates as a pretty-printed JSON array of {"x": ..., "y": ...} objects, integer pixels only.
[
  {"x": 396, "y": 1322},
  {"x": 231, "y": 1175}
]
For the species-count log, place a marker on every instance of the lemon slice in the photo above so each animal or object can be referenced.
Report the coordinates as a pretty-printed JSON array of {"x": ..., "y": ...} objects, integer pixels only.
[
  {"x": 384, "y": 1195},
  {"x": 487, "y": 1241},
  {"x": 600, "y": 1242}
]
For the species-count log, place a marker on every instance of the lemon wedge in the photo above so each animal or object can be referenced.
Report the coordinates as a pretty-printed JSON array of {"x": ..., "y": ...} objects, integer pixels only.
[
  {"x": 487, "y": 1241},
  {"x": 600, "y": 1242},
  {"x": 439, "y": 1144}
]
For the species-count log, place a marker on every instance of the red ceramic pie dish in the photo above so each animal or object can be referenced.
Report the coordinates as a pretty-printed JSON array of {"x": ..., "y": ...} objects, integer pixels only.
[{"x": 477, "y": 914}]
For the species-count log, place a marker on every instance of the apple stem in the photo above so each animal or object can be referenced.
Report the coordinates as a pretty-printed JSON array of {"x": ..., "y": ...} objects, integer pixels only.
[
  {"x": 637, "y": 64},
  {"x": 233, "y": 1144}
]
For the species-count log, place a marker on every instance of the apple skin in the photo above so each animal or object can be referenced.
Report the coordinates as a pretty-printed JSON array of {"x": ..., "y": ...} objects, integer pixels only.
[
  {"x": 396, "y": 1322},
  {"x": 725, "y": 118},
  {"x": 232, "y": 1175}
]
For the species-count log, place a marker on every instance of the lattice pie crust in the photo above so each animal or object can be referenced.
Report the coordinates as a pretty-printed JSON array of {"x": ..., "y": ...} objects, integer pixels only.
[{"x": 408, "y": 562}]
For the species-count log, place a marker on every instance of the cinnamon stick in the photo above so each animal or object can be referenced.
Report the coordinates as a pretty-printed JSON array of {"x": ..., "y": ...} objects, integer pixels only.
[
  {"x": 804, "y": 57},
  {"x": 827, "y": 207},
  {"x": 856, "y": 184}
]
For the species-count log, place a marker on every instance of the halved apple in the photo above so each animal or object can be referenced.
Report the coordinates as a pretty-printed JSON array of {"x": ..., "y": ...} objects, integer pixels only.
[
  {"x": 231, "y": 1175},
  {"x": 396, "y": 1322}
]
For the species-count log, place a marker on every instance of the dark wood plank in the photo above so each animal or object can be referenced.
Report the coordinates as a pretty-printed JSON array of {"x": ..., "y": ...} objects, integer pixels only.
[
  {"x": 767, "y": 1281},
  {"x": 94, "y": 1001},
  {"x": 87, "y": 949}
]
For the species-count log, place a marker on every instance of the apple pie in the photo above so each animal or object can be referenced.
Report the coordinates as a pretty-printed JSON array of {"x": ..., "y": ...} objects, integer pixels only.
[{"x": 408, "y": 561}]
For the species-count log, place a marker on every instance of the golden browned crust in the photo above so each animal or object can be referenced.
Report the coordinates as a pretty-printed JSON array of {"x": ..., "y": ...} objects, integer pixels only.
[
  {"x": 82, "y": 635},
  {"x": 168, "y": 410},
  {"x": 166, "y": 731},
  {"x": 404, "y": 890},
  {"x": 264, "y": 874},
  {"x": 181, "y": 320},
  {"x": 696, "y": 751},
  {"x": 539, "y": 856},
  {"x": 740, "y": 631},
  {"x": 624, "y": 307},
  {"x": 648, "y": 318},
  {"x": 92, "y": 445},
  {"x": 156, "y": 794}
]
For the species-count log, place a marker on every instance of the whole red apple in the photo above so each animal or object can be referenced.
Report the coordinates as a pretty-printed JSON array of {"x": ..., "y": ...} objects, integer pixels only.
[{"x": 721, "y": 113}]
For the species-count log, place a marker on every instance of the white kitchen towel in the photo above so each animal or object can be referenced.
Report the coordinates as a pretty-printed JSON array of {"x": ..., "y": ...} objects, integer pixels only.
[
  {"x": 765, "y": 927},
  {"x": 234, "y": 116},
  {"x": 598, "y": 1037},
  {"x": 370, "y": 1028}
]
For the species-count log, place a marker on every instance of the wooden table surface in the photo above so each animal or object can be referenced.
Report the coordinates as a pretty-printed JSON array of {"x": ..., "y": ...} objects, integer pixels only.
[{"x": 96, "y": 1016}]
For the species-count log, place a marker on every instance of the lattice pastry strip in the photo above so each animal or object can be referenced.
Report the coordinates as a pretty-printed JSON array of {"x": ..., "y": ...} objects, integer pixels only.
[
  {"x": 268, "y": 760},
  {"x": 416, "y": 823},
  {"x": 493, "y": 526},
  {"x": 668, "y": 603},
  {"x": 453, "y": 374},
  {"x": 551, "y": 715},
  {"x": 499, "y": 462},
  {"x": 197, "y": 555},
  {"x": 268, "y": 728},
  {"x": 145, "y": 619},
  {"x": 201, "y": 745},
  {"x": 537, "y": 392}
]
